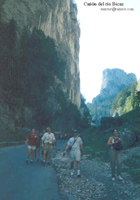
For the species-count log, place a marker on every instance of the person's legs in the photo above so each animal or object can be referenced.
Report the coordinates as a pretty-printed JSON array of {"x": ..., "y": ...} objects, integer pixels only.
[
  {"x": 71, "y": 159},
  {"x": 38, "y": 151},
  {"x": 77, "y": 155},
  {"x": 72, "y": 165},
  {"x": 113, "y": 161},
  {"x": 50, "y": 148},
  {"x": 72, "y": 162},
  {"x": 78, "y": 165},
  {"x": 45, "y": 153},
  {"x": 78, "y": 169},
  {"x": 49, "y": 157},
  {"x": 72, "y": 168},
  {"x": 33, "y": 152},
  {"x": 44, "y": 156},
  {"x": 29, "y": 152},
  {"x": 119, "y": 163}
]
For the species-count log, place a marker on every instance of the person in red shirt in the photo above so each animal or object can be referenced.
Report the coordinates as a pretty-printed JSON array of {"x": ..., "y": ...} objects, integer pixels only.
[{"x": 31, "y": 145}]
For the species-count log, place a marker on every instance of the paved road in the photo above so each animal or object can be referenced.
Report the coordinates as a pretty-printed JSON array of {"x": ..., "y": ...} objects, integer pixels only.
[{"x": 19, "y": 181}]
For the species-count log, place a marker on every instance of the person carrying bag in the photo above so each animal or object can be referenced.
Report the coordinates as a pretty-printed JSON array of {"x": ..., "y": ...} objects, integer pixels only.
[
  {"x": 75, "y": 145},
  {"x": 115, "y": 152},
  {"x": 70, "y": 147}
]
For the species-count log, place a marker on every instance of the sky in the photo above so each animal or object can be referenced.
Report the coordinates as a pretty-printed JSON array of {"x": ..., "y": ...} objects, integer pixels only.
[{"x": 108, "y": 40}]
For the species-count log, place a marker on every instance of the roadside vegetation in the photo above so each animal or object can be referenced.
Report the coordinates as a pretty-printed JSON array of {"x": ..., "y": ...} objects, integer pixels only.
[{"x": 96, "y": 147}]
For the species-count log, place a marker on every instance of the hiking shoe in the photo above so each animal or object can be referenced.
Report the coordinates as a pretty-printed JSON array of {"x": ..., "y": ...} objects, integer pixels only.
[
  {"x": 26, "y": 161},
  {"x": 49, "y": 163},
  {"x": 31, "y": 161},
  {"x": 43, "y": 163},
  {"x": 78, "y": 174},
  {"x": 120, "y": 178},
  {"x": 113, "y": 178},
  {"x": 72, "y": 173}
]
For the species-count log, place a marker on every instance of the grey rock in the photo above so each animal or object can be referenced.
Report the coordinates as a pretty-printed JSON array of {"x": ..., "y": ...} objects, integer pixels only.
[
  {"x": 128, "y": 137},
  {"x": 113, "y": 81},
  {"x": 95, "y": 182},
  {"x": 58, "y": 20}
]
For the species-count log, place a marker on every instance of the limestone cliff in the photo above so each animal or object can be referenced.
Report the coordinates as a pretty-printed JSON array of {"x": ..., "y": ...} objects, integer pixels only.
[
  {"x": 58, "y": 20},
  {"x": 113, "y": 81}
]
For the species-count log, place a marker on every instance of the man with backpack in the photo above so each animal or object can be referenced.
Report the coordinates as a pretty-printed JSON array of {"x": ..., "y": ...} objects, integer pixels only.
[{"x": 74, "y": 145}]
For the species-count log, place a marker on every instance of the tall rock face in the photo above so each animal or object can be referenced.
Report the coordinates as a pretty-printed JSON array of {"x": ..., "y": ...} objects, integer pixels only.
[
  {"x": 113, "y": 81},
  {"x": 58, "y": 20}
]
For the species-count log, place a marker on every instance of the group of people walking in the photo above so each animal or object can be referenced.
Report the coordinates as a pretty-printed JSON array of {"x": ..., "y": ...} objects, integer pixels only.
[{"x": 46, "y": 143}]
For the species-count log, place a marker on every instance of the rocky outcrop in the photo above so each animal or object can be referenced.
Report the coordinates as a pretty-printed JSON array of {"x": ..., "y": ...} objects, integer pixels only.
[
  {"x": 113, "y": 81},
  {"x": 128, "y": 137},
  {"x": 58, "y": 20}
]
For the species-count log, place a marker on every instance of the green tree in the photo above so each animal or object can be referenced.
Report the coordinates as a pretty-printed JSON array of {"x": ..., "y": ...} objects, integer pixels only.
[
  {"x": 86, "y": 117},
  {"x": 138, "y": 98},
  {"x": 133, "y": 95},
  {"x": 120, "y": 100}
]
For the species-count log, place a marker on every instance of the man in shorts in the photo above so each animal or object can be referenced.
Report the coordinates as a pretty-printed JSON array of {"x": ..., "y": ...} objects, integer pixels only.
[
  {"x": 48, "y": 140},
  {"x": 76, "y": 144},
  {"x": 31, "y": 145}
]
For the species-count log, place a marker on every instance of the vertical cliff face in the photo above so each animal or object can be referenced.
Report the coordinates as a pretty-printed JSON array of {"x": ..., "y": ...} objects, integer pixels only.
[
  {"x": 58, "y": 20},
  {"x": 113, "y": 81}
]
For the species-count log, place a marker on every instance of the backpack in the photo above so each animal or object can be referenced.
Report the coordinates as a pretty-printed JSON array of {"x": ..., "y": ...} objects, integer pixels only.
[{"x": 117, "y": 146}]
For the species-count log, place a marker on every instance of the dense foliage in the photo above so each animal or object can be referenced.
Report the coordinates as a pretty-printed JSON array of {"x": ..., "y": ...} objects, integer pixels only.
[
  {"x": 86, "y": 117},
  {"x": 126, "y": 100}
]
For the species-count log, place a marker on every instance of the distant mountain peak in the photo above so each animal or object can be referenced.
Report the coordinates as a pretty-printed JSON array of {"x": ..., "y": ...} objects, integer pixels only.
[{"x": 115, "y": 79}]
